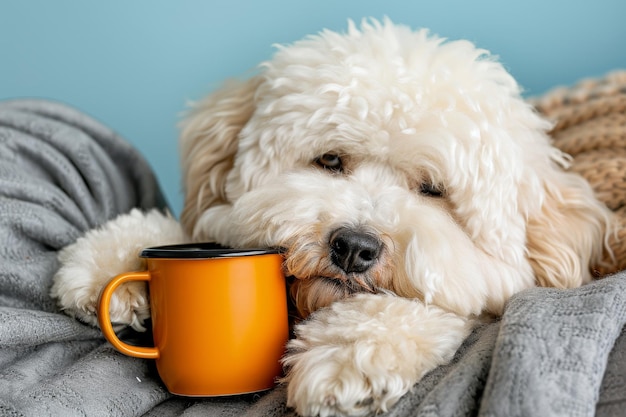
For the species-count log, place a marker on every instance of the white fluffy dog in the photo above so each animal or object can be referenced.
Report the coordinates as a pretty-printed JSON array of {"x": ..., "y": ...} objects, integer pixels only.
[{"x": 411, "y": 186}]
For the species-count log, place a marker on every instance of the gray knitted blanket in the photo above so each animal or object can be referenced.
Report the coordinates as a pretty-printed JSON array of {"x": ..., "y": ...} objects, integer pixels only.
[{"x": 554, "y": 353}]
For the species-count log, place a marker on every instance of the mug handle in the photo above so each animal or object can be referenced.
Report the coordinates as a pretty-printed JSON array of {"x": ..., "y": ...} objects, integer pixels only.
[{"x": 104, "y": 317}]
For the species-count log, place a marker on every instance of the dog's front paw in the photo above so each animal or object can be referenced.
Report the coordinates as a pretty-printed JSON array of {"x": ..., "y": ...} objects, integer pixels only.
[
  {"x": 362, "y": 354},
  {"x": 78, "y": 297},
  {"x": 94, "y": 259},
  {"x": 330, "y": 381}
]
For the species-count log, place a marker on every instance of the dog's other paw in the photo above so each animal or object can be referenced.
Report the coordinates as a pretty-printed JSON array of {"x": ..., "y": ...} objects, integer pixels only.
[
  {"x": 360, "y": 355},
  {"x": 93, "y": 260}
]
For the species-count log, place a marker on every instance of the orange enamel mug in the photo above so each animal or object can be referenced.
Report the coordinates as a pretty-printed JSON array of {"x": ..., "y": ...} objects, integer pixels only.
[{"x": 219, "y": 317}]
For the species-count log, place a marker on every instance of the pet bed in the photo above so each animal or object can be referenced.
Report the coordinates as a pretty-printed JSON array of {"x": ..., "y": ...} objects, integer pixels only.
[{"x": 553, "y": 353}]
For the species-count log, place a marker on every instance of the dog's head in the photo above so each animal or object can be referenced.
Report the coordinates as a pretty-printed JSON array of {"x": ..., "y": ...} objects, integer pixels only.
[{"x": 387, "y": 159}]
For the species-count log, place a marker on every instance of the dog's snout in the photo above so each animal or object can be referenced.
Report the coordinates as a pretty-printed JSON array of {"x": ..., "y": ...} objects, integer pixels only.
[{"x": 354, "y": 250}]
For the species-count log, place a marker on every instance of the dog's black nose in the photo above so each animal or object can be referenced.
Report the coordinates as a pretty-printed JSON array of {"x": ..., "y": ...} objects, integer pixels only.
[{"x": 354, "y": 250}]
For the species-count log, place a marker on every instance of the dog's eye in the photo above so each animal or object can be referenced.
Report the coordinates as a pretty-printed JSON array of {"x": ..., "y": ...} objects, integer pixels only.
[
  {"x": 431, "y": 190},
  {"x": 330, "y": 161}
]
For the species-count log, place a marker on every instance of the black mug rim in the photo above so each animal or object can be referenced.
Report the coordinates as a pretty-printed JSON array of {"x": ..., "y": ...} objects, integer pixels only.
[{"x": 204, "y": 250}]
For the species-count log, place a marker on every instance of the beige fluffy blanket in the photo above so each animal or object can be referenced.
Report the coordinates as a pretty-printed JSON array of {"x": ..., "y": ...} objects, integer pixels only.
[{"x": 590, "y": 125}]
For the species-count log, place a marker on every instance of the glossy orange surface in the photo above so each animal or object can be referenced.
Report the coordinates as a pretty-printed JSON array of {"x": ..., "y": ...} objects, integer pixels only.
[{"x": 219, "y": 325}]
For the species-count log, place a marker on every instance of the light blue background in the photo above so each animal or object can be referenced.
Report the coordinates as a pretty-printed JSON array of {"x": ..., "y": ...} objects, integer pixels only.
[{"x": 134, "y": 64}]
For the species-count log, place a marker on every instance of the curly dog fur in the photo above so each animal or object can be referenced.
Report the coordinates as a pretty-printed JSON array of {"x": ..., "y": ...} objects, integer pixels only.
[{"x": 411, "y": 186}]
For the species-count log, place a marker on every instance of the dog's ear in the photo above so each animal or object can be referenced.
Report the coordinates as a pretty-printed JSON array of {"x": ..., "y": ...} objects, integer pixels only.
[
  {"x": 208, "y": 143},
  {"x": 569, "y": 233}
]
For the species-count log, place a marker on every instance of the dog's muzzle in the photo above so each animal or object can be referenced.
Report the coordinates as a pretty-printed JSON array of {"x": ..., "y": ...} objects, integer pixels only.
[{"x": 354, "y": 250}]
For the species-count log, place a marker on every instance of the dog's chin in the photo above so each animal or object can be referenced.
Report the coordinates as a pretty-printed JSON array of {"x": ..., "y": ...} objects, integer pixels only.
[{"x": 311, "y": 294}]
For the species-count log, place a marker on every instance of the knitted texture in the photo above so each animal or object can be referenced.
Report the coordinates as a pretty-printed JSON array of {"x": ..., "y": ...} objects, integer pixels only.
[
  {"x": 590, "y": 125},
  {"x": 62, "y": 173}
]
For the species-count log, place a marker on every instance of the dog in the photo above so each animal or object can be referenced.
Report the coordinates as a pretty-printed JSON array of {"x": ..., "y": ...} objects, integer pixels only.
[{"x": 410, "y": 186}]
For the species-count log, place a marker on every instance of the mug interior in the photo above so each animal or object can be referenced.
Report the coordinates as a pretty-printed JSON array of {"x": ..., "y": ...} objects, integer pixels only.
[{"x": 203, "y": 250}]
